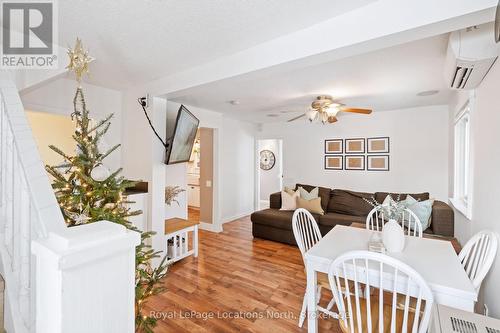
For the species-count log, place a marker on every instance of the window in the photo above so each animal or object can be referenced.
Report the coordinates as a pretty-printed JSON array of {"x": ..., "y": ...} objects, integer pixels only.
[{"x": 461, "y": 193}]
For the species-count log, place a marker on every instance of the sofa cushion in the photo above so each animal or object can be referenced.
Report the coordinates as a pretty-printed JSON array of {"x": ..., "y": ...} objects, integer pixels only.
[
  {"x": 309, "y": 195},
  {"x": 289, "y": 200},
  {"x": 276, "y": 218},
  {"x": 350, "y": 203},
  {"x": 380, "y": 196},
  {"x": 421, "y": 209},
  {"x": 442, "y": 219},
  {"x": 332, "y": 219},
  {"x": 324, "y": 193},
  {"x": 312, "y": 206},
  {"x": 275, "y": 200}
]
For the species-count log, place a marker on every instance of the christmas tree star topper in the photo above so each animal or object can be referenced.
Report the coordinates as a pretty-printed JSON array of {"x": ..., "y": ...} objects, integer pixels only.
[{"x": 79, "y": 60}]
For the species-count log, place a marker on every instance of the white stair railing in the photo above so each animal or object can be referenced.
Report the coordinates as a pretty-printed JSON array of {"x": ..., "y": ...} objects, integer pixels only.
[
  {"x": 19, "y": 212},
  {"x": 39, "y": 253}
]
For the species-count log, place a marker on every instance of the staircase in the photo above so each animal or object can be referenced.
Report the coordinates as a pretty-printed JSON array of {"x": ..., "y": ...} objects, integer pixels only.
[{"x": 57, "y": 279}]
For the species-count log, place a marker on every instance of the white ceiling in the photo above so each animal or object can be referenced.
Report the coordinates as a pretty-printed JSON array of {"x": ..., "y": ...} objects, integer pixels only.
[
  {"x": 386, "y": 79},
  {"x": 135, "y": 41}
]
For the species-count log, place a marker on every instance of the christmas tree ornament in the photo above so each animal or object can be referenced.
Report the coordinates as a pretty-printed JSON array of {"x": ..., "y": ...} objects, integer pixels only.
[
  {"x": 109, "y": 205},
  {"x": 100, "y": 173},
  {"x": 79, "y": 218}
]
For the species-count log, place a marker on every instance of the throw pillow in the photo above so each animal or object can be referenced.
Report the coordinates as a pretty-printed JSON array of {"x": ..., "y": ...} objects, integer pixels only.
[
  {"x": 387, "y": 201},
  {"x": 289, "y": 190},
  {"x": 422, "y": 209},
  {"x": 309, "y": 195},
  {"x": 289, "y": 201},
  {"x": 409, "y": 200},
  {"x": 313, "y": 205}
]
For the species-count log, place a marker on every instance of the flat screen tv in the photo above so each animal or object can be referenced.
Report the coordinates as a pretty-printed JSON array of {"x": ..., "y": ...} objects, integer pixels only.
[{"x": 180, "y": 144}]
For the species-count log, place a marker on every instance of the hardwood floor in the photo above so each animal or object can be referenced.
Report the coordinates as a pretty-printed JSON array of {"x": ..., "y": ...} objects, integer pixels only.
[
  {"x": 193, "y": 214},
  {"x": 237, "y": 284}
]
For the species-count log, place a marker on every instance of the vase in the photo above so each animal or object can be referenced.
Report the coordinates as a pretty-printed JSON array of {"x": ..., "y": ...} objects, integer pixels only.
[{"x": 393, "y": 236}]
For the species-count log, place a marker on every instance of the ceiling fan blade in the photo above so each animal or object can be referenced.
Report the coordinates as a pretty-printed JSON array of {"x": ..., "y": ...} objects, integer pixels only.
[
  {"x": 332, "y": 119},
  {"x": 355, "y": 110},
  {"x": 295, "y": 118}
]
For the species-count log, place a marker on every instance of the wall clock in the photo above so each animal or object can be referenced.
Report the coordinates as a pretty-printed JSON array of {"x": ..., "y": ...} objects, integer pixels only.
[{"x": 267, "y": 160}]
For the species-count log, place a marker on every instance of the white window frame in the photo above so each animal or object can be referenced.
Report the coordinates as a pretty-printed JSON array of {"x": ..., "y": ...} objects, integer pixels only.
[{"x": 462, "y": 174}]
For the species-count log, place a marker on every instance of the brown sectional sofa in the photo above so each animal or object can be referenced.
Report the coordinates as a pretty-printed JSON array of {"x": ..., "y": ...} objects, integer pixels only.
[{"x": 341, "y": 207}]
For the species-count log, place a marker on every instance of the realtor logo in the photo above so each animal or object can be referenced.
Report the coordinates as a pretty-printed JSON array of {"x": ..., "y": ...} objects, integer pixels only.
[{"x": 28, "y": 34}]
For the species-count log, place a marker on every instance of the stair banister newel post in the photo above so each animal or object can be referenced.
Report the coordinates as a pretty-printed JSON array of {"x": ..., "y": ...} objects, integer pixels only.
[{"x": 57, "y": 279}]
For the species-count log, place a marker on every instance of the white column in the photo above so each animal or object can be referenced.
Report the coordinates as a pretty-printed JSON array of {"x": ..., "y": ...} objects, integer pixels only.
[
  {"x": 156, "y": 200},
  {"x": 86, "y": 279}
]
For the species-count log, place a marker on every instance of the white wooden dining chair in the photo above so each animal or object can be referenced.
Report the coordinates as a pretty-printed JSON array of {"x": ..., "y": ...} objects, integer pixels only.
[
  {"x": 377, "y": 311},
  {"x": 376, "y": 220},
  {"x": 478, "y": 255},
  {"x": 307, "y": 234}
]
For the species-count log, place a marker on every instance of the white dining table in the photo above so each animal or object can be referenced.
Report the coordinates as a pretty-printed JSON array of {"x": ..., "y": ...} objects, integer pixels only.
[{"x": 434, "y": 259}]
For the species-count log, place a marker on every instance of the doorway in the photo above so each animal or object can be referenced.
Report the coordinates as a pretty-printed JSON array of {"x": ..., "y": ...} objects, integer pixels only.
[
  {"x": 200, "y": 173},
  {"x": 269, "y": 170}
]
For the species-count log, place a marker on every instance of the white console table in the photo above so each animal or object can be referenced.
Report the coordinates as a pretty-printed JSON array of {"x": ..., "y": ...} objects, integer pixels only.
[{"x": 177, "y": 239}]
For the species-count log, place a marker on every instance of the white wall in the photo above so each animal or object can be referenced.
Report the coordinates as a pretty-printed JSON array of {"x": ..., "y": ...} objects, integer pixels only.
[
  {"x": 485, "y": 133},
  {"x": 176, "y": 175},
  {"x": 418, "y": 157},
  {"x": 237, "y": 169},
  {"x": 233, "y": 173},
  {"x": 43, "y": 125},
  {"x": 56, "y": 97},
  {"x": 143, "y": 156},
  {"x": 269, "y": 180}
]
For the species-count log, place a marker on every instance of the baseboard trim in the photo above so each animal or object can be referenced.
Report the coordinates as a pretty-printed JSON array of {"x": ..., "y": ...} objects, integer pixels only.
[
  {"x": 235, "y": 217},
  {"x": 210, "y": 227}
]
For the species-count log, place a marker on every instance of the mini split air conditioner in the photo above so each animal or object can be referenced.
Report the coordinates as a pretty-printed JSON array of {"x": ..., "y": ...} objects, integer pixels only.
[
  {"x": 450, "y": 320},
  {"x": 471, "y": 53}
]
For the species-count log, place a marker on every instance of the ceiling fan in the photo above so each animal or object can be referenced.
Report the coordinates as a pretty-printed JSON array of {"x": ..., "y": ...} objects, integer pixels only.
[
  {"x": 497, "y": 23},
  {"x": 323, "y": 108}
]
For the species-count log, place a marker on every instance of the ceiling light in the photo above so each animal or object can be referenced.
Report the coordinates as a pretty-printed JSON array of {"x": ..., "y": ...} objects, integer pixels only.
[
  {"x": 324, "y": 109},
  {"x": 311, "y": 114},
  {"x": 273, "y": 115},
  {"x": 332, "y": 111},
  {"x": 428, "y": 93},
  {"x": 234, "y": 102}
]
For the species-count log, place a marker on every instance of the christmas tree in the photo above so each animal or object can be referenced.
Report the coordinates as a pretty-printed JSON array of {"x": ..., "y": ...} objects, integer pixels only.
[{"x": 88, "y": 192}]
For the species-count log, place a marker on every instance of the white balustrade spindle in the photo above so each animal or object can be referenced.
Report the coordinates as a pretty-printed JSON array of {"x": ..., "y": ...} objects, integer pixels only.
[{"x": 17, "y": 220}]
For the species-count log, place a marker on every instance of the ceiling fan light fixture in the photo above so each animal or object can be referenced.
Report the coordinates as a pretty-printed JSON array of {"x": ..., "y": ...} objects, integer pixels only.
[
  {"x": 427, "y": 93},
  {"x": 324, "y": 109},
  {"x": 332, "y": 111},
  {"x": 311, "y": 114},
  {"x": 324, "y": 117}
]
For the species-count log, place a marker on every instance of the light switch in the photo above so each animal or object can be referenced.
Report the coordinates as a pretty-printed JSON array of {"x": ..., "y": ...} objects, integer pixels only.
[{"x": 208, "y": 183}]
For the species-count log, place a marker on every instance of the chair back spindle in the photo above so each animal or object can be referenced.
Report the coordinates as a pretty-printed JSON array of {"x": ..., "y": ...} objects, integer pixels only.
[
  {"x": 410, "y": 222},
  {"x": 377, "y": 311},
  {"x": 478, "y": 255},
  {"x": 305, "y": 230}
]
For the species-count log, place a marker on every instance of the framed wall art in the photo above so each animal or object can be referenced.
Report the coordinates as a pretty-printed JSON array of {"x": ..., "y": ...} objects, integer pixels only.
[
  {"x": 334, "y": 146},
  {"x": 378, "y": 162},
  {"x": 354, "y": 162},
  {"x": 334, "y": 162},
  {"x": 355, "y": 146},
  {"x": 378, "y": 145}
]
